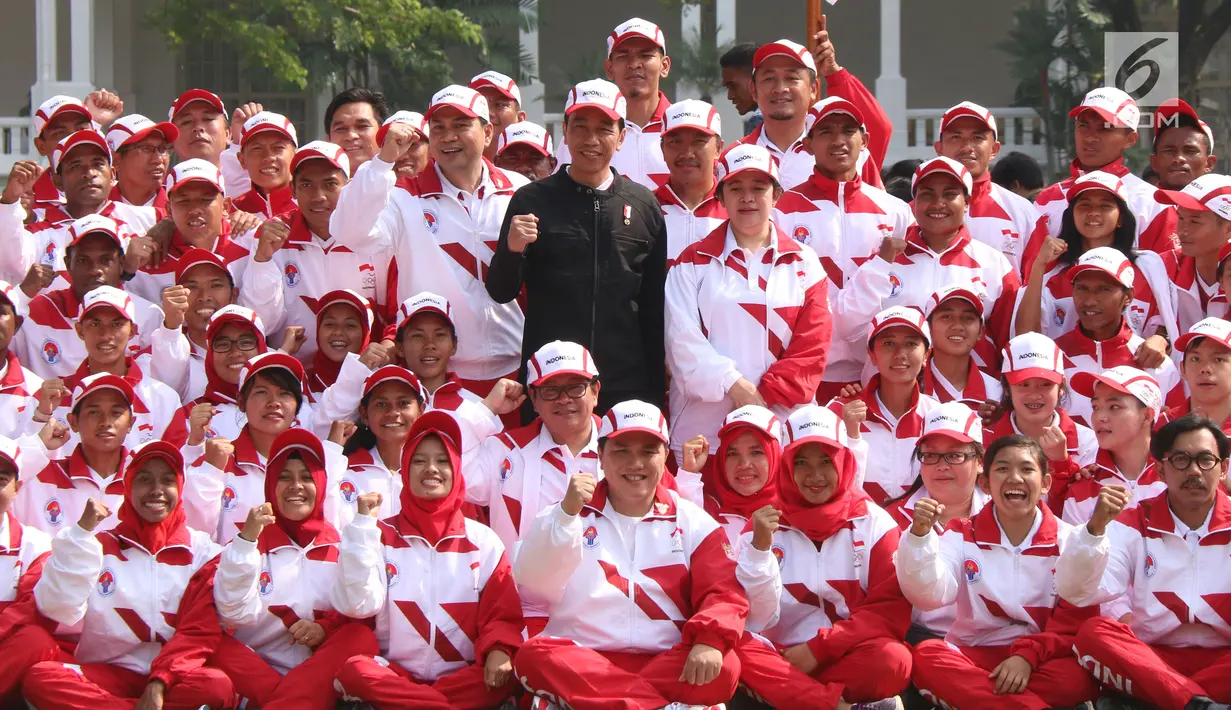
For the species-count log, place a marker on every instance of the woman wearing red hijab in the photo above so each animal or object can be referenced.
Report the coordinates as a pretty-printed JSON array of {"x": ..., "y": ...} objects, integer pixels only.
[
  {"x": 272, "y": 587},
  {"x": 343, "y": 327},
  {"x": 822, "y": 563},
  {"x": 141, "y": 595},
  {"x": 448, "y": 617}
]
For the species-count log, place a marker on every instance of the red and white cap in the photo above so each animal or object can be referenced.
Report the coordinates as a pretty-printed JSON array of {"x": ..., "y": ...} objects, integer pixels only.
[
  {"x": 9, "y": 293},
  {"x": 597, "y": 93},
  {"x": 747, "y": 157},
  {"x": 269, "y": 360},
  {"x": 110, "y": 297},
  {"x": 350, "y": 298},
  {"x": 1108, "y": 260},
  {"x": 907, "y": 316},
  {"x": 634, "y": 416},
  {"x": 494, "y": 79},
  {"x": 322, "y": 150},
  {"x": 956, "y": 421},
  {"x": 1032, "y": 355},
  {"x": 559, "y": 357},
  {"x": 1215, "y": 328},
  {"x": 525, "y": 133},
  {"x": 1098, "y": 180},
  {"x": 1167, "y": 116},
  {"x": 692, "y": 113},
  {"x": 463, "y": 98},
  {"x": 10, "y": 451},
  {"x": 395, "y": 373},
  {"x": 135, "y": 128},
  {"x": 971, "y": 294},
  {"x": 636, "y": 27},
  {"x": 754, "y": 416},
  {"x": 1209, "y": 193},
  {"x": 831, "y": 105},
  {"x": 969, "y": 109},
  {"x": 414, "y": 119},
  {"x": 297, "y": 439},
  {"x": 102, "y": 381},
  {"x": 157, "y": 449},
  {"x": 424, "y": 302},
  {"x": 96, "y": 224},
  {"x": 1125, "y": 379},
  {"x": 197, "y": 256},
  {"x": 193, "y": 170},
  {"x": 86, "y": 136},
  {"x": 234, "y": 314},
  {"x": 1112, "y": 105},
  {"x": 812, "y": 424},
  {"x": 943, "y": 165},
  {"x": 56, "y": 106},
  {"x": 266, "y": 121},
  {"x": 192, "y": 95},
  {"x": 785, "y": 48}
]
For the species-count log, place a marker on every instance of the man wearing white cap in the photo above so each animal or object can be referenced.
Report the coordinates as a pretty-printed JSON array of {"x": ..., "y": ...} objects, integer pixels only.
[
  {"x": 415, "y": 154},
  {"x": 441, "y": 228},
  {"x": 1203, "y": 209},
  {"x": 998, "y": 216},
  {"x": 525, "y": 148},
  {"x": 1105, "y": 125},
  {"x": 1183, "y": 148},
  {"x": 57, "y": 118},
  {"x": 201, "y": 118},
  {"x": 637, "y": 62},
  {"x": 141, "y": 150},
  {"x": 691, "y": 144},
  {"x": 296, "y": 260},
  {"x": 1206, "y": 366},
  {"x": 596, "y": 274},
  {"x": 266, "y": 150},
  {"x": 503, "y": 105}
]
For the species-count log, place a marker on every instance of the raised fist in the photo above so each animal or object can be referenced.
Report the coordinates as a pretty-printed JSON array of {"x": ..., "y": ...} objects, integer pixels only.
[
  {"x": 21, "y": 180},
  {"x": 270, "y": 238},
  {"x": 927, "y": 514},
  {"x": 580, "y": 491},
  {"x": 1112, "y": 499},
  {"x": 218, "y": 452},
  {"x": 95, "y": 512},
  {"x": 764, "y": 525},
  {"x": 258, "y": 518},
  {"x": 523, "y": 231},
  {"x": 696, "y": 452},
  {"x": 199, "y": 418},
  {"x": 397, "y": 141},
  {"x": 174, "y": 306},
  {"x": 368, "y": 504}
]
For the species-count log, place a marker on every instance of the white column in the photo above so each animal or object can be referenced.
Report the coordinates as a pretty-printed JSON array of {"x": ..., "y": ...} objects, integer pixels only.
[
  {"x": 82, "y": 33},
  {"x": 732, "y": 122},
  {"x": 690, "y": 31},
  {"x": 891, "y": 85},
  {"x": 45, "y": 49},
  {"x": 532, "y": 92}
]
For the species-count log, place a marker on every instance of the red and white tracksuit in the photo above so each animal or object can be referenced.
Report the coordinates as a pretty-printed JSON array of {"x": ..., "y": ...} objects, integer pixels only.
[
  {"x": 477, "y": 422},
  {"x": 284, "y": 290},
  {"x": 844, "y": 223},
  {"x": 47, "y": 341},
  {"x": 1006, "y": 605},
  {"x": 1153, "y": 308},
  {"x": 178, "y": 363},
  {"x": 43, "y": 242},
  {"x": 839, "y": 597},
  {"x": 732, "y": 313},
  {"x": 1195, "y": 300},
  {"x": 259, "y": 596},
  {"x": 366, "y": 472},
  {"x": 141, "y": 217},
  {"x": 626, "y": 611},
  {"x": 157, "y": 411},
  {"x": 1080, "y": 440},
  {"x": 1156, "y": 222},
  {"x": 218, "y": 501},
  {"x": 442, "y": 240},
  {"x": 1082, "y": 495},
  {"x": 53, "y": 498},
  {"x": 978, "y": 388},
  {"x": 890, "y": 442},
  {"x": 640, "y": 157},
  {"x": 1003, "y": 219},
  {"x": 138, "y": 617},
  {"x": 918, "y": 273},
  {"x": 439, "y": 611},
  {"x": 17, "y": 403},
  {"x": 1178, "y": 642},
  {"x": 263, "y": 204},
  {"x": 686, "y": 227},
  {"x": 234, "y": 251},
  {"x": 23, "y": 550},
  {"x": 1084, "y": 354}
]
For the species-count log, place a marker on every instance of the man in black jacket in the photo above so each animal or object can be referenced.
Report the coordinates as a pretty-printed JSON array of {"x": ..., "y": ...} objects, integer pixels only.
[{"x": 590, "y": 246}]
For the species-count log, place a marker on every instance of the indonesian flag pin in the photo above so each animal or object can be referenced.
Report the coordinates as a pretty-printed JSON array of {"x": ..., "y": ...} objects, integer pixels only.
[{"x": 628, "y": 213}]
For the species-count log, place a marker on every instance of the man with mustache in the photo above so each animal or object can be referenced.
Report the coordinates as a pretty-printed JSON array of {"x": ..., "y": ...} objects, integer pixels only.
[
  {"x": 525, "y": 148},
  {"x": 1183, "y": 147},
  {"x": 201, "y": 119},
  {"x": 691, "y": 144},
  {"x": 141, "y": 150}
]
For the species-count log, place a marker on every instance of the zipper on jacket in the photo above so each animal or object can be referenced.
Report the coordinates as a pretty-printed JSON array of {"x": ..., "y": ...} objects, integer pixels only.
[{"x": 594, "y": 282}]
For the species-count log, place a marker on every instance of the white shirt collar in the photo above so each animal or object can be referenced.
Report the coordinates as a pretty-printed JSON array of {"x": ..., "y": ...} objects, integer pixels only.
[{"x": 1034, "y": 528}]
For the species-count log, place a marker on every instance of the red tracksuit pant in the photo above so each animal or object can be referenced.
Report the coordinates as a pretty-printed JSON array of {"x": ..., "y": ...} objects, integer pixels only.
[
  {"x": 1163, "y": 676},
  {"x": 27, "y": 646},
  {"x": 67, "y": 686},
  {"x": 308, "y": 686},
  {"x": 870, "y": 671},
  {"x": 388, "y": 686},
  {"x": 958, "y": 678},
  {"x": 559, "y": 669}
]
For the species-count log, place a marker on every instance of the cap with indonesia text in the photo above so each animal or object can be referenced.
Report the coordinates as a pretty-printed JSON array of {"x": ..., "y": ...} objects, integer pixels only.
[
  {"x": 395, "y": 373},
  {"x": 636, "y": 27},
  {"x": 322, "y": 150},
  {"x": 193, "y": 170},
  {"x": 96, "y": 224},
  {"x": 101, "y": 381},
  {"x": 945, "y": 166},
  {"x": 829, "y": 106},
  {"x": 1208, "y": 193},
  {"x": 955, "y": 421},
  {"x": 559, "y": 357},
  {"x": 1112, "y": 105},
  {"x": 1215, "y": 328},
  {"x": 269, "y": 122},
  {"x": 813, "y": 424},
  {"x": 1125, "y": 380},
  {"x": 899, "y": 316},
  {"x": 1108, "y": 260},
  {"x": 414, "y": 119},
  {"x": 1098, "y": 180},
  {"x": 525, "y": 133},
  {"x": 463, "y": 98},
  {"x": 754, "y": 416},
  {"x": 972, "y": 294},
  {"x": 234, "y": 314},
  {"x": 109, "y": 297},
  {"x": 495, "y": 80},
  {"x": 599, "y": 94},
  {"x": 134, "y": 128},
  {"x": 1032, "y": 355},
  {"x": 424, "y": 302},
  {"x": 633, "y": 416},
  {"x": 58, "y": 106},
  {"x": 747, "y": 157},
  {"x": 969, "y": 109},
  {"x": 194, "y": 95},
  {"x": 84, "y": 137},
  {"x": 692, "y": 113},
  {"x": 785, "y": 48}
]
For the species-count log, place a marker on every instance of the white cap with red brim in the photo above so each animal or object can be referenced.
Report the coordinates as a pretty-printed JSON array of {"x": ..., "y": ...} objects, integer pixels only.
[
  {"x": 1123, "y": 379},
  {"x": 350, "y": 298},
  {"x": 424, "y": 302},
  {"x": 1107, "y": 260},
  {"x": 973, "y": 295},
  {"x": 636, "y": 27},
  {"x": 633, "y": 416},
  {"x": 96, "y": 224},
  {"x": 559, "y": 357},
  {"x": 269, "y": 122},
  {"x": 197, "y": 256},
  {"x": 1209, "y": 193},
  {"x": 904, "y": 316},
  {"x": 57, "y": 106},
  {"x": 969, "y": 109},
  {"x": 234, "y": 314},
  {"x": 322, "y": 150},
  {"x": 754, "y": 416},
  {"x": 1032, "y": 355},
  {"x": 955, "y": 421},
  {"x": 84, "y": 137},
  {"x": 109, "y": 297},
  {"x": 828, "y": 106},
  {"x": 135, "y": 128},
  {"x": 1098, "y": 180},
  {"x": 1112, "y": 105},
  {"x": 1215, "y": 328},
  {"x": 269, "y": 360},
  {"x": 395, "y": 373},
  {"x": 101, "y": 381},
  {"x": 194, "y": 170},
  {"x": 784, "y": 48},
  {"x": 463, "y": 98},
  {"x": 747, "y": 157},
  {"x": 692, "y": 113},
  {"x": 414, "y": 119},
  {"x": 525, "y": 133},
  {"x": 193, "y": 95},
  {"x": 598, "y": 94},
  {"x": 943, "y": 166},
  {"x": 494, "y": 79}
]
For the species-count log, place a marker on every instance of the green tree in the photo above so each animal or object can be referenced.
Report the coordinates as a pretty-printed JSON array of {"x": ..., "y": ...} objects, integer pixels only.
[
  {"x": 502, "y": 22},
  {"x": 396, "y": 45}
]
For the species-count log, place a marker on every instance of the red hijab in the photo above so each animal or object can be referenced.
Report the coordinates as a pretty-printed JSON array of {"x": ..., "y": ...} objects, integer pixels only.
[
  {"x": 172, "y": 530},
  {"x": 324, "y": 372},
  {"x": 820, "y": 522},
  {"x": 433, "y": 519},
  {"x": 314, "y": 528},
  {"x": 218, "y": 390},
  {"x": 732, "y": 501}
]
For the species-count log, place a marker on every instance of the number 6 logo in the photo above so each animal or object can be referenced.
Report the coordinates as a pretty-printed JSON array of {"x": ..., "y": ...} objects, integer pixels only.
[
  {"x": 1145, "y": 65},
  {"x": 1134, "y": 63}
]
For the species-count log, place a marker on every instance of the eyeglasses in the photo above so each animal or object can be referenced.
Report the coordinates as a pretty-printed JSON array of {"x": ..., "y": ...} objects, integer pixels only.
[
  {"x": 551, "y": 393},
  {"x": 1181, "y": 460},
  {"x": 224, "y": 345},
  {"x": 931, "y": 458},
  {"x": 145, "y": 150}
]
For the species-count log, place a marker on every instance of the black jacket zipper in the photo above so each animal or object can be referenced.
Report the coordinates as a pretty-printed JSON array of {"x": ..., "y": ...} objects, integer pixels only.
[{"x": 594, "y": 283}]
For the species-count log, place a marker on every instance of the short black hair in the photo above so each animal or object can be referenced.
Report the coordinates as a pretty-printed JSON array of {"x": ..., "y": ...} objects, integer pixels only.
[
  {"x": 739, "y": 57},
  {"x": 1149, "y": 172},
  {"x": 899, "y": 187},
  {"x": 1015, "y": 441},
  {"x": 1182, "y": 120},
  {"x": 281, "y": 377},
  {"x": 1017, "y": 167},
  {"x": 902, "y": 168},
  {"x": 1123, "y": 239},
  {"x": 358, "y": 95},
  {"x": 1164, "y": 438}
]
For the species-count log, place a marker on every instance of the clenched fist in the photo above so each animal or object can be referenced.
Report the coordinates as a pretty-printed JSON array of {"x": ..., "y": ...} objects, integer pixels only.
[
  {"x": 21, "y": 180},
  {"x": 368, "y": 504},
  {"x": 270, "y": 238},
  {"x": 258, "y": 517},
  {"x": 580, "y": 491},
  {"x": 95, "y": 512},
  {"x": 218, "y": 452},
  {"x": 523, "y": 231},
  {"x": 50, "y": 395},
  {"x": 696, "y": 452},
  {"x": 341, "y": 431},
  {"x": 397, "y": 140},
  {"x": 293, "y": 339},
  {"x": 104, "y": 106},
  {"x": 854, "y": 413},
  {"x": 198, "y": 422},
  {"x": 505, "y": 397},
  {"x": 764, "y": 525},
  {"x": 174, "y": 306},
  {"x": 890, "y": 248},
  {"x": 240, "y": 117},
  {"x": 38, "y": 277},
  {"x": 1112, "y": 499},
  {"x": 927, "y": 514},
  {"x": 1054, "y": 443}
]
